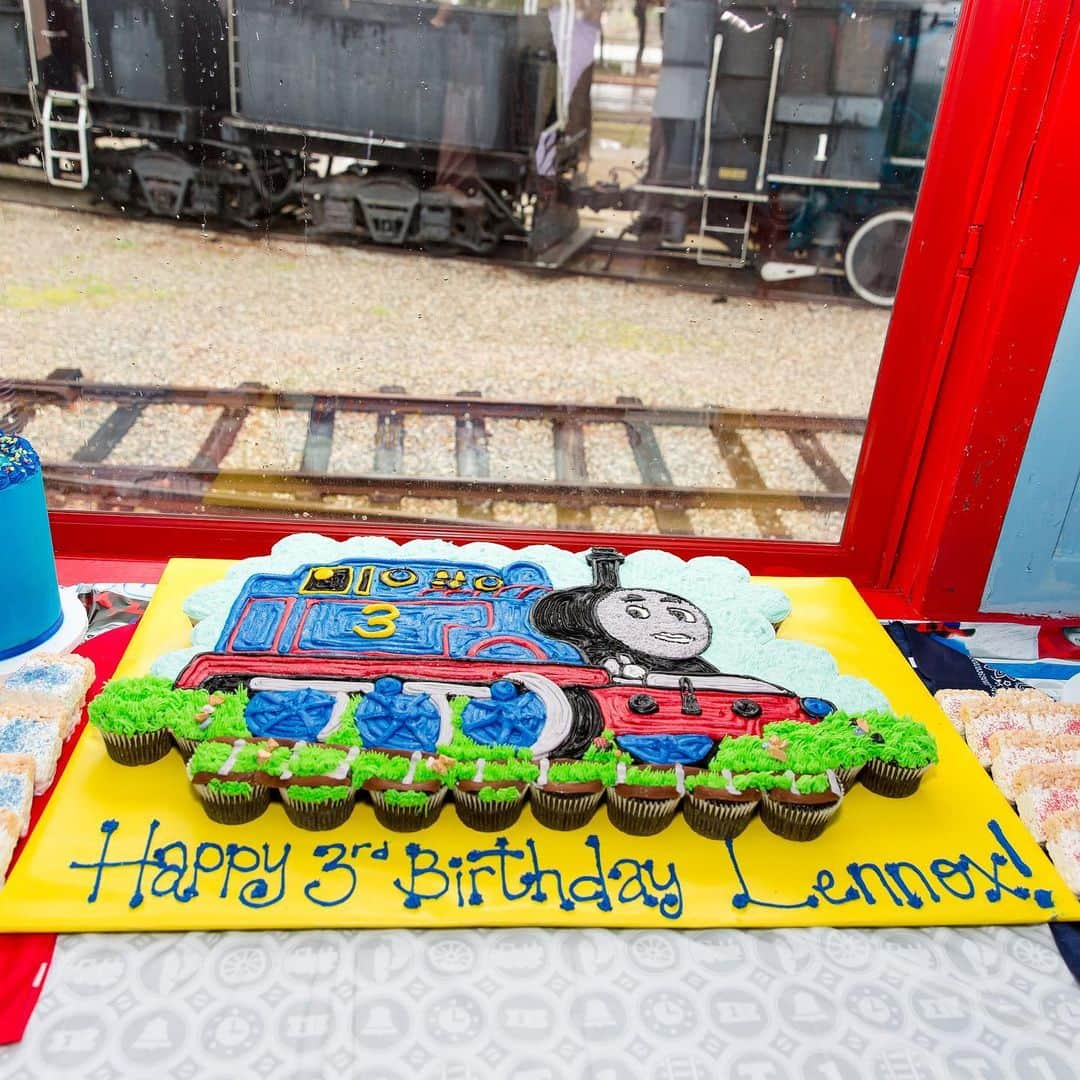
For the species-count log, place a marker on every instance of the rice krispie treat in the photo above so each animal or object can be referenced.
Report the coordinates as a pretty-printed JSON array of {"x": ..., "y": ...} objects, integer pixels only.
[
  {"x": 1063, "y": 846},
  {"x": 1011, "y": 751},
  {"x": 38, "y": 740},
  {"x": 48, "y": 687},
  {"x": 17, "y": 787},
  {"x": 1043, "y": 791},
  {"x": 979, "y": 729},
  {"x": 960, "y": 704},
  {"x": 9, "y": 837}
]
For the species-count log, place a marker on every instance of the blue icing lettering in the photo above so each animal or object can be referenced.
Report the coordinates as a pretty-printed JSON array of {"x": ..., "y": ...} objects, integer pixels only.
[
  {"x": 387, "y": 717},
  {"x": 289, "y": 714},
  {"x": 905, "y": 884},
  {"x": 506, "y": 719}
]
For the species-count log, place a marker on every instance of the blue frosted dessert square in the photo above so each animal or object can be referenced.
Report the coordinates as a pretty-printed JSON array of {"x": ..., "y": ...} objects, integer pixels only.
[
  {"x": 17, "y": 787},
  {"x": 37, "y": 739},
  {"x": 48, "y": 687}
]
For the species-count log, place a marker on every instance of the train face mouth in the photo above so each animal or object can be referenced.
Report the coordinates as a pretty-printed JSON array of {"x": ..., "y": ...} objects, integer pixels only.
[{"x": 670, "y": 635}]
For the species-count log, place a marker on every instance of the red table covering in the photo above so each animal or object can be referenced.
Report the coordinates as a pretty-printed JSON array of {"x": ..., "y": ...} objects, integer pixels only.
[{"x": 25, "y": 958}]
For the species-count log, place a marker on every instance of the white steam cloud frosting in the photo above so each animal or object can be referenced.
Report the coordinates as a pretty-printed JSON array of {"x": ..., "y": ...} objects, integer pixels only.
[{"x": 743, "y": 614}]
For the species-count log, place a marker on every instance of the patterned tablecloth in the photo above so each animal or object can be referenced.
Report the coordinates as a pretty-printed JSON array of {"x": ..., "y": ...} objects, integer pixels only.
[{"x": 537, "y": 1004}]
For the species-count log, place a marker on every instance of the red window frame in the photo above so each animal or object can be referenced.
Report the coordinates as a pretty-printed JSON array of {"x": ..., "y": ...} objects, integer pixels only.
[{"x": 911, "y": 469}]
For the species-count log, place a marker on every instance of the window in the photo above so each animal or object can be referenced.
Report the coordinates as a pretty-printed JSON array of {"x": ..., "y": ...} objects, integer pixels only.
[{"x": 617, "y": 267}]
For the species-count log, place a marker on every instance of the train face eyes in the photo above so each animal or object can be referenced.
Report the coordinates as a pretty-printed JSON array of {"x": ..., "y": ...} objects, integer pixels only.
[{"x": 654, "y": 623}]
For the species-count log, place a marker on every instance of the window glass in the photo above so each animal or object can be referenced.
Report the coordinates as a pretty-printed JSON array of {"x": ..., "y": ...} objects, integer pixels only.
[{"x": 591, "y": 264}]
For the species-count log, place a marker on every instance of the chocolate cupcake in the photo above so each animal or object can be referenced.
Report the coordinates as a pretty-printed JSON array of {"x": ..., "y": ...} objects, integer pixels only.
[
  {"x": 131, "y": 715},
  {"x": 567, "y": 793},
  {"x": 316, "y": 782},
  {"x": 799, "y": 807},
  {"x": 719, "y": 805},
  {"x": 644, "y": 801},
  {"x": 903, "y": 751},
  {"x": 490, "y": 795},
  {"x": 407, "y": 790},
  {"x": 225, "y": 777}
]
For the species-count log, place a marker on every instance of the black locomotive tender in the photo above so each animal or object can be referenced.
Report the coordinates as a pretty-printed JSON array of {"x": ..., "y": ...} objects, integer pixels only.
[{"x": 789, "y": 136}]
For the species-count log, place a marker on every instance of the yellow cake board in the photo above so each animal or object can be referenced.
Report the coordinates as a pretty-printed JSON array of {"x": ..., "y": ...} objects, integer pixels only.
[{"x": 964, "y": 854}]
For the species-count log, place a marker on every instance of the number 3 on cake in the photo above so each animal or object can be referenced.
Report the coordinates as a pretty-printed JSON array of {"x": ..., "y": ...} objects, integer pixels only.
[{"x": 381, "y": 621}]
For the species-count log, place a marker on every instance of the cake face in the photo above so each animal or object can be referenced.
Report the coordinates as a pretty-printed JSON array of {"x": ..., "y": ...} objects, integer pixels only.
[{"x": 30, "y": 613}]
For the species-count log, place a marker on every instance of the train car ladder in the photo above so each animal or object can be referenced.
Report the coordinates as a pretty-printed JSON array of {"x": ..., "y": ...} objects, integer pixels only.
[
  {"x": 65, "y": 120},
  {"x": 727, "y": 232}
]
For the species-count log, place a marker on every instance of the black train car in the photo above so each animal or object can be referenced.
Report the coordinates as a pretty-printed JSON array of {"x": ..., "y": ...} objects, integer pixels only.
[
  {"x": 18, "y": 129},
  {"x": 793, "y": 136},
  {"x": 439, "y": 110},
  {"x": 149, "y": 72}
]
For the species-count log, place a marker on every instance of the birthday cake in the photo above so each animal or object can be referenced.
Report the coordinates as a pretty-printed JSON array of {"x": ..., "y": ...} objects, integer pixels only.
[
  {"x": 417, "y": 677},
  {"x": 31, "y": 612}
]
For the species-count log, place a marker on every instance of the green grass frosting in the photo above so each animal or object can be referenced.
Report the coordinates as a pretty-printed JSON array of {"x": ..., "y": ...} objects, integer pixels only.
[
  {"x": 127, "y": 707},
  {"x": 406, "y": 798},
  {"x": 324, "y": 793}
]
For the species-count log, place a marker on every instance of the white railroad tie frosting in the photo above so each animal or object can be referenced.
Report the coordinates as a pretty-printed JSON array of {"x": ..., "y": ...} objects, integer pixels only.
[
  {"x": 294, "y": 759},
  {"x": 620, "y": 773},
  {"x": 680, "y": 778},
  {"x": 834, "y": 784},
  {"x": 791, "y": 778},
  {"x": 542, "y": 779},
  {"x": 341, "y": 770},
  {"x": 478, "y": 776},
  {"x": 414, "y": 760},
  {"x": 230, "y": 761},
  {"x": 729, "y": 783}
]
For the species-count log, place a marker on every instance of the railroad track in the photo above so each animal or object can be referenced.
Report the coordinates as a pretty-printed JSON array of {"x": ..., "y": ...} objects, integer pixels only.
[
  {"x": 600, "y": 257},
  {"x": 312, "y": 478}
]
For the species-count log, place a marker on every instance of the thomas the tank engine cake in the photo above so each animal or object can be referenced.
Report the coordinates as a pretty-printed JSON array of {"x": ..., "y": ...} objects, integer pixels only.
[{"x": 556, "y": 680}]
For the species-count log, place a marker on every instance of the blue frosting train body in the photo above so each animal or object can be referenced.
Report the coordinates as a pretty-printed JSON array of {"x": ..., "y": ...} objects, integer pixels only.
[{"x": 31, "y": 611}]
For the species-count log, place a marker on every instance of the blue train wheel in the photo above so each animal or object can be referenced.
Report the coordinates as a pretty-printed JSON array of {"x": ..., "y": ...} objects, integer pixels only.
[{"x": 816, "y": 708}]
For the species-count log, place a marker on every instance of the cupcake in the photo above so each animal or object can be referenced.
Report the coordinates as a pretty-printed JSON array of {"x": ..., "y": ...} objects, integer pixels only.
[
  {"x": 643, "y": 801},
  {"x": 406, "y": 790},
  {"x": 195, "y": 716},
  {"x": 719, "y": 805},
  {"x": 489, "y": 795},
  {"x": 225, "y": 777},
  {"x": 132, "y": 716},
  {"x": 316, "y": 782},
  {"x": 799, "y": 807},
  {"x": 902, "y": 752},
  {"x": 566, "y": 793}
]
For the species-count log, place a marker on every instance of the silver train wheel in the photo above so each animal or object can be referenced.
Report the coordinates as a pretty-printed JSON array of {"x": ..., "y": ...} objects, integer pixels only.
[{"x": 875, "y": 255}]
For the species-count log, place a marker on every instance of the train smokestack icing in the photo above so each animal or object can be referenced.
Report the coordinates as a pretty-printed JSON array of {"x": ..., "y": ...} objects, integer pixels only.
[{"x": 605, "y": 563}]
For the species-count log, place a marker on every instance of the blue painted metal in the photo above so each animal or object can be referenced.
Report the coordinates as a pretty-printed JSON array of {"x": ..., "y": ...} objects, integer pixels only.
[{"x": 1036, "y": 567}]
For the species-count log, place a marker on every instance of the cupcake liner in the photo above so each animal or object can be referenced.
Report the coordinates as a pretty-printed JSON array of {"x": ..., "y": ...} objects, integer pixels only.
[
  {"x": 797, "y": 821},
  {"x": 407, "y": 818},
  {"x": 486, "y": 816},
  {"x": 847, "y": 776},
  {"x": 559, "y": 810},
  {"x": 891, "y": 780},
  {"x": 640, "y": 817},
  {"x": 320, "y": 816},
  {"x": 233, "y": 809},
  {"x": 185, "y": 746},
  {"x": 718, "y": 819},
  {"x": 142, "y": 749}
]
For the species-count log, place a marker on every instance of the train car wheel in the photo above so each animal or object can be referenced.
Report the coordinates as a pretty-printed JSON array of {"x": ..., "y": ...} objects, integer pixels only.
[
  {"x": 875, "y": 255},
  {"x": 588, "y": 723},
  {"x": 559, "y": 723}
]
